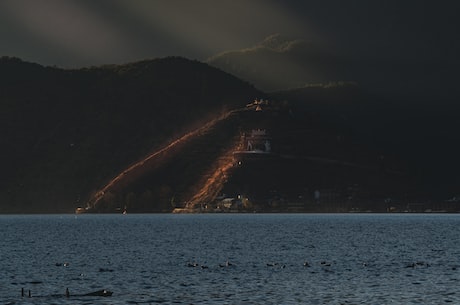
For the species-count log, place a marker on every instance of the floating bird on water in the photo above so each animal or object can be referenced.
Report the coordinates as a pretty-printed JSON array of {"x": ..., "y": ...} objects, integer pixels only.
[{"x": 226, "y": 264}]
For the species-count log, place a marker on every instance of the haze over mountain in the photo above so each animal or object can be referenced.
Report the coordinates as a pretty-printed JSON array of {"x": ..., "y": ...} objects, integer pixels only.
[
  {"x": 404, "y": 47},
  {"x": 280, "y": 62},
  {"x": 76, "y": 33},
  {"x": 359, "y": 79}
]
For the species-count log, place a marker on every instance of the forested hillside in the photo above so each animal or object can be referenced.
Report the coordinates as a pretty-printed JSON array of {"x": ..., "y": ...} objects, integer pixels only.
[
  {"x": 67, "y": 132},
  {"x": 155, "y": 134}
]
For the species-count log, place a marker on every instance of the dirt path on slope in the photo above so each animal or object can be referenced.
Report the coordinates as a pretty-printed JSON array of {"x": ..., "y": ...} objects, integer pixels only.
[{"x": 153, "y": 160}]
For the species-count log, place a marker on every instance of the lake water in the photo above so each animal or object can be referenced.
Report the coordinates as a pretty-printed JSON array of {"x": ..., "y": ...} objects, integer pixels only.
[{"x": 146, "y": 259}]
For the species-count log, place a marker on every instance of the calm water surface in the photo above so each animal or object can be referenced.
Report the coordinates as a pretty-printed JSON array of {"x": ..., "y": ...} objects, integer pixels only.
[{"x": 148, "y": 259}]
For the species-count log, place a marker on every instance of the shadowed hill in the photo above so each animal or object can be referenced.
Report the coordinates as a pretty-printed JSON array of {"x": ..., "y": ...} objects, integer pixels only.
[
  {"x": 359, "y": 151},
  {"x": 212, "y": 162},
  {"x": 416, "y": 135},
  {"x": 68, "y": 132}
]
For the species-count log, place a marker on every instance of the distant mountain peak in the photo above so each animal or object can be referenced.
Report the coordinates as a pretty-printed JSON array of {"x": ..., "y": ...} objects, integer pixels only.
[
  {"x": 279, "y": 62},
  {"x": 275, "y": 43},
  {"x": 282, "y": 43}
]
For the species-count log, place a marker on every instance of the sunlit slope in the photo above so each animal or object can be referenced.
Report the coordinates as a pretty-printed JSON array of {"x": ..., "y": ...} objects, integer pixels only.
[{"x": 172, "y": 175}]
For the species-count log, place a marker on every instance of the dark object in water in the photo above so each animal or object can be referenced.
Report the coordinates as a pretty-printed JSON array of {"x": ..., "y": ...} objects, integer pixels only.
[
  {"x": 99, "y": 293},
  {"x": 227, "y": 264}
]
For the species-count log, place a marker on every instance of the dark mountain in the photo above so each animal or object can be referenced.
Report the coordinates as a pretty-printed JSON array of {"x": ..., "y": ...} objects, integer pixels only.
[
  {"x": 158, "y": 134},
  {"x": 68, "y": 132},
  {"x": 356, "y": 150},
  {"x": 413, "y": 136}
]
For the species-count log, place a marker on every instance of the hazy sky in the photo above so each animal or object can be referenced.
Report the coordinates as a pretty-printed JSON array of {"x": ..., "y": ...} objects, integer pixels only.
[{"x": 74, "y": 33}]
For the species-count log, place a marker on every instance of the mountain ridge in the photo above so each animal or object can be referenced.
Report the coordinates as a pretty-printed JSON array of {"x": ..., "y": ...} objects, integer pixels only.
[
  {"x": 71, "y": 130},
  {"x": 281, "y": 62}
]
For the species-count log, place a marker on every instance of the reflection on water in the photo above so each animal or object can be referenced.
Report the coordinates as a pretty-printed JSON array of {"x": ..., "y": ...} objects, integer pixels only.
[{"x": 231, "y": 259}]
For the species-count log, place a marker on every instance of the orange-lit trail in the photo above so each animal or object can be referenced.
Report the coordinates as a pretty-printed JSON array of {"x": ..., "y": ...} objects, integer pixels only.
[
  {"x": 153, "y": 160},
  {"x": 217, "y": 178}
]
